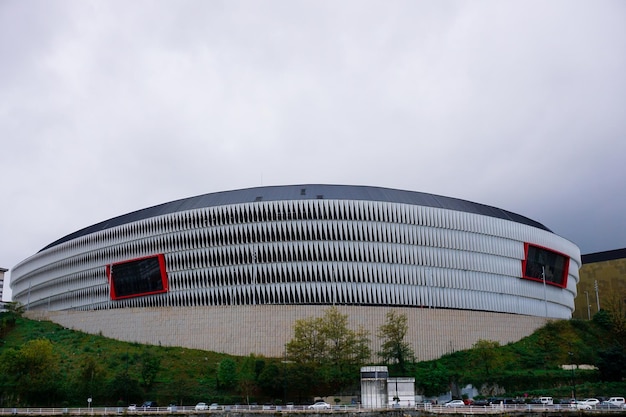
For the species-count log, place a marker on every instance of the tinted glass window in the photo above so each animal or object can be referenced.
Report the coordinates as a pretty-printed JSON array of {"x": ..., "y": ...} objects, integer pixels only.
[
  {"x": 138, "y": 277},
  {"x": 542, "y": 263}
]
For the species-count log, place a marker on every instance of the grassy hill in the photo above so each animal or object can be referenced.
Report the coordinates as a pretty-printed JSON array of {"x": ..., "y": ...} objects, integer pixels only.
[
  {"x": 533, "y": 366},
  {"x": 42, "y": 363},
  {"x": 114, "y": 372}
]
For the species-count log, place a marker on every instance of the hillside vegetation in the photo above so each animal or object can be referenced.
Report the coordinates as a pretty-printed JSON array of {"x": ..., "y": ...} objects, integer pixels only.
[
  {"x": 42, "y": 363},
  {"x": 533, "y": 366}
]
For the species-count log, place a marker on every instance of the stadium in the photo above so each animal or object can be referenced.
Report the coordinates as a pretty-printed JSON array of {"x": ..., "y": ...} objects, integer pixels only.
[{"x": 232, "y": 271}]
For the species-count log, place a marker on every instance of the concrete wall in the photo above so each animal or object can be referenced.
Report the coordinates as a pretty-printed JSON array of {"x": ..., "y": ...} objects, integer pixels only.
[{"x": 265, "y": 329}]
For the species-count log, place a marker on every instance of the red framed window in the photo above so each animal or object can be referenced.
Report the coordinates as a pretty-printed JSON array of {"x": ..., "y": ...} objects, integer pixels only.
[
  {"x": 541, "y": 264},
  {"x": 137, "y": 277}
]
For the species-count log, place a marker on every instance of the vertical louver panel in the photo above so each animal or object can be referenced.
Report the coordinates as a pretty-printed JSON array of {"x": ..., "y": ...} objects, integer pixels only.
[{"x": 328, "y": 251}]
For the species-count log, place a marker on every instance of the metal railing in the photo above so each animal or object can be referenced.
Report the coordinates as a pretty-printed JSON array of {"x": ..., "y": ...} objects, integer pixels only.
[{"x": 191, "y": 409}]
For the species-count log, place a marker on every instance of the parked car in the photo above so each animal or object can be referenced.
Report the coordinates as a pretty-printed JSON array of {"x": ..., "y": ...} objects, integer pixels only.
[
  {"x": 132, "y": 407},
  {"x": 149, "y": 404},
  {"x": 454, "y": 403},
  {"x": 504, "y": 400},
  {"x": 591, "y": 402},
  {"x": 214, "y": 406},
  {"x": 613, "y": 402},
  {"x": 201, "y": 407},
  {"x": 618, "y": 401},
  {"x": 172, "y": 408},
  {"x": 320, "y": 405},
  {"x": 546, "y": 400},
  {"x": 481, "y": 403}
]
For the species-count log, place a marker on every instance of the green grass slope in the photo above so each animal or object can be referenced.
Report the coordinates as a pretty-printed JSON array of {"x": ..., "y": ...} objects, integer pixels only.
[
  {"x": 107, "y": 370},
  {"x": 533, "y": 366}
]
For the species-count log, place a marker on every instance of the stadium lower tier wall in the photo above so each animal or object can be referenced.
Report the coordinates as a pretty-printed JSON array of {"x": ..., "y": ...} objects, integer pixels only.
[{"x": 264, "y": 330}]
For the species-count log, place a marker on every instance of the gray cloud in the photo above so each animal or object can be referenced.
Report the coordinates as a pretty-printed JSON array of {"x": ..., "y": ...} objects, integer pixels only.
[{"x": 109, "y": 107}]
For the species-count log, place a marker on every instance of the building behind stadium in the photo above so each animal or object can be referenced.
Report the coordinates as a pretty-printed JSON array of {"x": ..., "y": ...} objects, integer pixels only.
[
  {"x": 2, "y": 271},
  {"x": 603, "y": 283},
  {"x": 232, "y": 271}
]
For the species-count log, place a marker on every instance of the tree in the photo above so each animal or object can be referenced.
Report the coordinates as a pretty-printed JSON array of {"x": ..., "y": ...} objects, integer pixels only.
[
  {"x": 7, "y": 322},
  {"x": 247, "y": 378},
  {"x": 123, "y": 384},
  {"x": 485, "y": 356},
  {"x": 32, "y": 372},
  {"x": 433, "y": 379},
  {"x": 326, "y": 346},
  {"x": 124, "y": 387},
  {"x": 15, "y": 307},
  {"x": 616, "y": 310},
  {"x": 611, "y": 363},
  {"x": 394, "y": 349},
  {"x": 150, "y": 366},
  {"x": 9, "y": 317},
  {"x": 227, "y": 373},
  {"x": 549, "y": 348},
  {"x": 271, "y": 381},
  {"x": 88, "y": 380},
  {"x": 603, "y": 319}
]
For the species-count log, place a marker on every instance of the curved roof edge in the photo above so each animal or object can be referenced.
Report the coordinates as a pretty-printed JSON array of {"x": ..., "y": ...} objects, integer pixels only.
[{"x": 303, "y": 192}]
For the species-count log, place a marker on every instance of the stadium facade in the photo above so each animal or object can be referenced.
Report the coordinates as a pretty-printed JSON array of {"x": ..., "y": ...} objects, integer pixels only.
[{"x": 232, "y": 271}]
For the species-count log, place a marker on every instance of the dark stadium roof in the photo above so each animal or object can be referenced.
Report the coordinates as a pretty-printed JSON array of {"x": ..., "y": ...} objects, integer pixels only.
[
  {"x": 609, "y": 255},
  {"x": 303, "y": 192}
]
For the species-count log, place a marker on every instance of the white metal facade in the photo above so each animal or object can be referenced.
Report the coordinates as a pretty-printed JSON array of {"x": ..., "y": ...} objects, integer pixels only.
[{"x": 308, "y": 251}]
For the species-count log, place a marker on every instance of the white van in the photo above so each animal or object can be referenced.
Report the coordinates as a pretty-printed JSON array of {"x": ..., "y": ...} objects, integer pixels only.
[
  {"x": 617, "y": 401},
  {"x": 546, "y": 400}
]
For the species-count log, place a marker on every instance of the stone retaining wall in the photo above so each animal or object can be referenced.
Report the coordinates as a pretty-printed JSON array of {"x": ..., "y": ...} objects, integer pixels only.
[{"x": 265, "y": 329}]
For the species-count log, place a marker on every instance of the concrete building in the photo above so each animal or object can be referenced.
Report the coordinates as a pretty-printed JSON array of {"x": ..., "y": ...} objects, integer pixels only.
[
  {"x": 378, "y": 390},
  {"x": 245, "y": 264},
  {"x": 374, "y": 393},
  {"x": 602, "y": 282},
  {"x": 2, "y": 271},
  {"x": 401, "y": 392}
]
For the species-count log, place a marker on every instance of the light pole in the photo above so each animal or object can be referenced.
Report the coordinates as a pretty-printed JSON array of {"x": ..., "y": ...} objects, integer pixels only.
[
  {"x": 430, "y": 288},
  {"x": 396, "y": 399},
  {"x": 588, "y": 306},
  {"x": 254, "y": 274},
  {"x": 334, "y": 283},
  {"x": 285, "y": 378},
  {"x": 545, "y": 293},
  {"x": 571, "y": 355}
]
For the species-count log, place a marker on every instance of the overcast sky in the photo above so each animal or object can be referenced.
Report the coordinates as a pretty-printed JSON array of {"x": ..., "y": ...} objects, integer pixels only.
[{"x": 107, "y": 107}]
